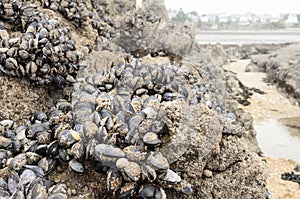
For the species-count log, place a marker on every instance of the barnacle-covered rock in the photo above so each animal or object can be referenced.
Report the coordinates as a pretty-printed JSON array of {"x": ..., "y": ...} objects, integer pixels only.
[{"x": 149, "y": 126}]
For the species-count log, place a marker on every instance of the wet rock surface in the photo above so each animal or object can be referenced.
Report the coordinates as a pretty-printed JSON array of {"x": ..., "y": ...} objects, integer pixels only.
[
  {"x": 282, "y": 68},
  {"x": 133, "y": 127}
]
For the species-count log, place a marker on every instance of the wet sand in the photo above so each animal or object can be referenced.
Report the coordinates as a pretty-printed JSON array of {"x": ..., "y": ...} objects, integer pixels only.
[
  {"x": 273, "y": 112},
  {"x": 281, "y": 189},
  {"x": 272, "y": 105}
]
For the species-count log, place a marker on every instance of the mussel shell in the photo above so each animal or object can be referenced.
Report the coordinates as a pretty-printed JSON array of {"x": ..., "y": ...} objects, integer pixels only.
[
  {"x": 40, "y": 149},
  {"x": 78, "y": 150},
  {"x": 59, "y": 188},
  {"x": 108, "y": 150},
  {"x": 32, "y": 158},
  {"x": 37, "y": 170},
  {"x": 3, "y": 184},
  {"x": 21, "y": 132},
  {"x": 27, "y": 176},
  {"x": 13, "y": 182},
  {"x": 52, "y": 149},
  {"x": 18, "y": 162},
  {"x": 151, "y": 192},
  {"x": 133, "y": 171},
  {"x": 63, "y": 155},
  {"x": 157, "y": 160},
  {"x": 121, "y": 163},
  {"x": 39, "y": 191},
  {"x": 36, "y": 128},
  {"x": 47, "y": 164},
  {"x": 148, "y": 173},
  {"x": 76, "y": 166},
  {"x": 7, "y": 124},
  {"x": 151, "y": 138},
  {"x": 159, "y": 127},
  {"x": 66, "y": 138},
  {"x": 4, "y": 194},
  {"x": 171, "y": 176},
  {"x": 40, "y": 116},
  {"x": 18, "y": 194}
]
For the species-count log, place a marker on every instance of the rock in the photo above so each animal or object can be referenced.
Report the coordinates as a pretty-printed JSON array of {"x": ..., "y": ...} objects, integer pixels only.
[
  {"x": 171, "y": 176},
  {"x": 236, "y": 180},
  {"x": 207, "y": 173},
  {"x": 143, "y": 31},
  {"x": 235, "y": 169},
  {"x": 209, "y": 61},
  {"x": 151, "y": 32},
  {"x": 282, "y": 68}
]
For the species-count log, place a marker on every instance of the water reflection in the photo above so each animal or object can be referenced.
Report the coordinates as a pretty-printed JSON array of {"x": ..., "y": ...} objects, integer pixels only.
[{"x": 279, "y": 141}]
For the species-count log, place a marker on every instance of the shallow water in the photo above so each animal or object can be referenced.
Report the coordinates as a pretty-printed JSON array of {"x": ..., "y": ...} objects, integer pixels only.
[
  {"x": 248, "y": 36},
  {"x": 277, "y": 141}
]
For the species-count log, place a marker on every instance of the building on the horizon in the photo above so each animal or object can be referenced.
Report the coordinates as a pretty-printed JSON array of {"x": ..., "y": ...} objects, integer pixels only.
[
  {"x": 239, "y": 21},
  {"x": 292, "y": 19}
]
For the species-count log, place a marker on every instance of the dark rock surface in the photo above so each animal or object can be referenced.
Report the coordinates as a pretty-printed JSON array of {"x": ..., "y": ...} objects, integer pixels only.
[{"x": 293, "y": 176}]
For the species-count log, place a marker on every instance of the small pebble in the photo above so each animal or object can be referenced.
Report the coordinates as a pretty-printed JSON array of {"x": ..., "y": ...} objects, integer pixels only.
[{"x": 207, "y": 173}]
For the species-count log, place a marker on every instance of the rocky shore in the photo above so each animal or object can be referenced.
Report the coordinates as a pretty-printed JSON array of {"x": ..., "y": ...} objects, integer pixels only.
[
  {"x": 282, "y": 67},
  {"x": 114, "y": 101}
]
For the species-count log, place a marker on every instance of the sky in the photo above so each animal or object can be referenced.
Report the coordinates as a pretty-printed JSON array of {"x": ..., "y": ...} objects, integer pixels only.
[{"x": 236, "y": 6}]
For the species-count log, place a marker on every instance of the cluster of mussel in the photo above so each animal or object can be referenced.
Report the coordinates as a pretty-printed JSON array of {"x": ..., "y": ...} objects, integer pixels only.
[
  {"x": 119, "y": 119},
  {"x": 79, "y": 13},
  {"x": 29, "y": 152},
  {"x": 19, "y": 13},
  {"x": 126, "y": 115},
  {"x": 44, "y": 52},
  {"x": 75, "y": 11}
]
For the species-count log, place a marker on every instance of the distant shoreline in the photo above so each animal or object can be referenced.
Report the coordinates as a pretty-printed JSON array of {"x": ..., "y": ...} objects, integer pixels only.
[
  {"x": 265, "y": 31},
  {"x": 248, "y": 36}
]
